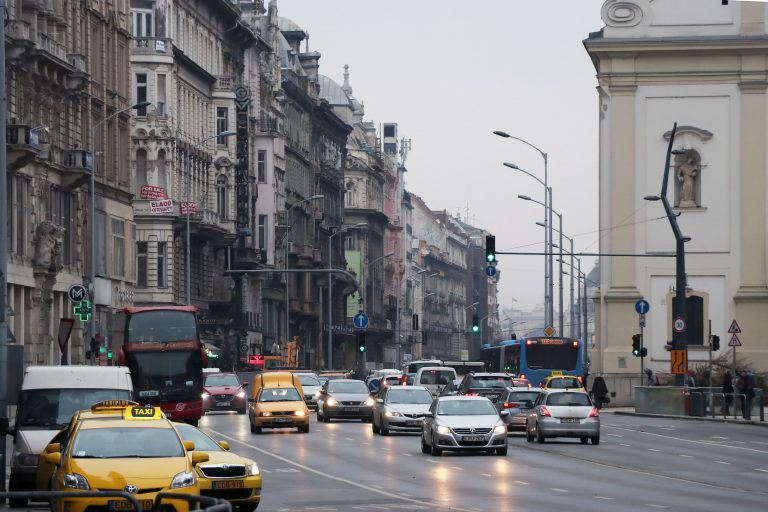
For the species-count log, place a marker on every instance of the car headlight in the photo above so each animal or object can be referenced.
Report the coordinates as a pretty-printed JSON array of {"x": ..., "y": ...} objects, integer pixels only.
[
  {"x": 27, "y": 459},
  {"x": 252, "y": 469},
  {"x": 442, "y": 429},
  {"x": 183, "y": 479},
  {"x": 299, "y": 413},
  {"x": 266, "y": 413},
  {"x": 500, "y": 429},
  {"x": 75, "y": 481},
  {"x": 316, "y": 395},
  {"x": 392, "y": 413},
  {"x": 241, "y": 394},
  {"x": 205, "y": 395},
  {"x": 331, "y": 402},
  {"x": 370, "y": 401}
]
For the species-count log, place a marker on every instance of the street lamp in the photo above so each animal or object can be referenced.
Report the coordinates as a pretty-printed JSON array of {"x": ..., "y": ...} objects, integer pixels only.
[
  {"x": 92, "y": 192},
  {"x": 287, "y": 276},
  {"x": 548, "y": 273},
  {"x": 329, "y": 363},
  {"x": 570, "y": 308},
  {"x": 188, "y": 281}
]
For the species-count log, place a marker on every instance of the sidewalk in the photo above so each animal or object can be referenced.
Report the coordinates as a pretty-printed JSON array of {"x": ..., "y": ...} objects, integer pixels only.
[{"x": 630, "y": 411}]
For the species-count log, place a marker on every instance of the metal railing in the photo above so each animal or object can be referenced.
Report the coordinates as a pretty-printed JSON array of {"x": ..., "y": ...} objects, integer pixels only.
[
  {"x": 699, "y": 401},
  {"x": 211, "y": 504}
]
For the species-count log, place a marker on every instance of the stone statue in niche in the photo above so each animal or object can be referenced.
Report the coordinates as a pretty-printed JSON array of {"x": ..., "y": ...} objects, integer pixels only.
[
  {"x": 48, "y": 240},
  {"x": 686, "y": 175}
]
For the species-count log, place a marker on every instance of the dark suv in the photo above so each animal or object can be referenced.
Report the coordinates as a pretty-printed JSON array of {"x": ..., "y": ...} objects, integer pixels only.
[{"x": 489, "y": 385}]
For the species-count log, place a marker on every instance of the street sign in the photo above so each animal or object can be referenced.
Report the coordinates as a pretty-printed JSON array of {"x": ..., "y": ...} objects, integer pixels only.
[
  {"x": 65, "y": 329},
  {"x": 465, "y": 355},
  {"x": 77, "y": 292},
  {"x": 734, "y": 328},
  {"x": 244, "y": 348},
  {"x": 360, "y": 320},
  {"x": 678, "y": 362},
  {"x": 490, "y": 271},
  {"x": 642, "y": 320},
  {"x": 679, "y": 324},
  {"x": 735, "y": 341},
  {"x": 642, "y": 306},
  {"x": 549, "y": 330}
]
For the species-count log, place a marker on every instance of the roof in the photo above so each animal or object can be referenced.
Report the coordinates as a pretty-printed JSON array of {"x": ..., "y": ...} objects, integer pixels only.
[{"x": 332, "y": 92}]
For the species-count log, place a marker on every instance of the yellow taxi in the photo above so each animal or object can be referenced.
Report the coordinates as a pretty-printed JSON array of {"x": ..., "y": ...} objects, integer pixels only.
[
  {"x": 121, "y": 446},
  {"x": 559, "y": 381},
  {"x": 277, "y": 401},
  {"x": 225, "y": 475}
]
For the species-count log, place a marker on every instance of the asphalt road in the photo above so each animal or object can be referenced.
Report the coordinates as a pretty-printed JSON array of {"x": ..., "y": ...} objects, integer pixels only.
[{"x": 640, "y": 464}]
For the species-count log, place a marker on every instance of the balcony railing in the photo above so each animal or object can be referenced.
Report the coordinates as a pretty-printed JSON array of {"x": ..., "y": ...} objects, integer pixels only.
[
  {"x": 51, "y": 46},
  {"x": 152, "y": 45}
]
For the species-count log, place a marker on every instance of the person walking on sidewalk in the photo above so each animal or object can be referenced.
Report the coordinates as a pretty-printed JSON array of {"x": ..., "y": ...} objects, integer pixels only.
[
  {"x": 599, "y": 391},
  {"x": 746, "y": 388},
  {"x": 727, "y": 392}
]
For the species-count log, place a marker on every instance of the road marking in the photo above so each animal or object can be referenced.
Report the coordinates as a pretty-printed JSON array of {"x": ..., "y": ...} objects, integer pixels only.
[
  {"x": 759, "y": 442},
  {"x": 405, "y": 494},
  {"x": 556, "y": 489},
  {"x": 329, "y": 476},
  {"x": 718, "y": 437},
  {"x": 686, "y": 456},
  {"x": 385, "y": 449},
  {"x": 431, "y": 460},
  {"x": 615, "y": 435},
  {"x": 457, "y": 468},
  {"x": 486, "y": 474},
  {"x": 408, "y": 454},
  {"x": 265, "y": 471},
  {"x": 349, "y": 439},
  {"x": 627, "y": 445},
  {"x": 288, "y": 470},
  {"x": 603, "y": 498},
  {"x": 366, "y": 444},
  {"x": 708, "y": 443},
  {"x": 653, "y": 450},
  {"x": 763, "y": 470},
  {"x": 721, "y": 462},
  {"x": 377, "y": 486},
  {"x": 667, "y": 428},
  {"x": 653, "y": 505},
  {"x": 520, "y": 482}
]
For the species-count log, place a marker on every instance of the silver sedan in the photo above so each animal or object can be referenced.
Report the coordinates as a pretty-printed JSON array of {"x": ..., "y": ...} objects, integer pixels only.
[
  {"x": 563, "y": 414},
  {"x": 463, "y": 423},
  {"x": 400, "y": 409}
]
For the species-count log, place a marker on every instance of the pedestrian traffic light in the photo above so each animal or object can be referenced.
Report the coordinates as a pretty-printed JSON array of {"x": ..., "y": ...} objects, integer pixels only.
[
  {"x": 475, "y": 323},
  {"x": 490, "y": 248},
  {"x": 636, "y": 345},
  {"x": 361, "y": 341},
  {"x": 715, "y": 342}
]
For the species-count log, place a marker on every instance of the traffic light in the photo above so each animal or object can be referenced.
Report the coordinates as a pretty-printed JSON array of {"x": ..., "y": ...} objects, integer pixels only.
[
  {"x": 636, "y": 345},
  {"x": 475, "y": 323},
  {"x": 490, "y": 248},
  {"x": 715, "y": 342},
  {"x": 361, "y": 341}
]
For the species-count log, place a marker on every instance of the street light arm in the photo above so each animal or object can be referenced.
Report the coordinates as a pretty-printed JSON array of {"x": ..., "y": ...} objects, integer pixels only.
[
  {"x": 513, "y": 166},
  {"x": 508, "y": 136},
  {"x": 115, "y": 114}
]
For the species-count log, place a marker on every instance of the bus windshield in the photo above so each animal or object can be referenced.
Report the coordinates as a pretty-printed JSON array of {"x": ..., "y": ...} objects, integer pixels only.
[
  {"x": 551, "y": 357},
  {"x": 166, "y": 375},
  {"x": 161, "y": 326}
]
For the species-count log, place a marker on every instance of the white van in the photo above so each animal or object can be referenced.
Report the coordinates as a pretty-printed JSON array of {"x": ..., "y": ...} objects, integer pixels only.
[
  {"x": 435, "y": 378},
  {"x": 50, "y": 395}
]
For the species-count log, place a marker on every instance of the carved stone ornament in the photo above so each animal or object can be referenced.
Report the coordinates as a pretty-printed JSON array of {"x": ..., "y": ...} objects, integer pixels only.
[
  {"x": 48, "y": 240},
  {"x": 622, "y": 13}
]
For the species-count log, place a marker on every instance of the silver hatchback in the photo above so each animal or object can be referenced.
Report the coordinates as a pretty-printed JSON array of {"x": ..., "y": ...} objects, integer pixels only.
[
  {"x": 463, "y": 423},
  {"x": 563, "y": 414}
]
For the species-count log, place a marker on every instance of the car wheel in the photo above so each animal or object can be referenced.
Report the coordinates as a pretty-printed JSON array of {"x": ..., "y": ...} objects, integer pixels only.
[
  {"x": 246, "y": 508},
  {"x": 17, "y": 502},
  {"x": 539, "y": 435},
  {"x": 596, "y": 440},
  {"x": 303, "y": 429},
  {"x": 375, "y": 429},
  {"x": 242, "y": 411},
  {"x": 319, "y": 416},
  {"x": 584, "y": 440},
  {"x": 193, "y": 422},
  {"x": 326, "y": 418},
  {"x": 255, "y": 429},
  {"x": 528, "y": 434},
  {"x": 502, "y": 451},
  {"x": 384, "y": 430},
  {"x": 424, "y": 445},
  {"x": 435, "y": 451}
]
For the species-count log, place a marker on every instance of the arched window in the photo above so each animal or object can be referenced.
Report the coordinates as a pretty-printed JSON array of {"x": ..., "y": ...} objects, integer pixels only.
[
  {"x": 349, "y": 197},
  {"x": 141, "y": 170},
  {"x": 221, "y": 196},
  {"x": 162, "y": 178}
]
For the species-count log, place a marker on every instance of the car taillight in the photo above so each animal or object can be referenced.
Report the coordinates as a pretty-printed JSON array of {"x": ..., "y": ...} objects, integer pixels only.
[
  {"x": 581, "y": 379},
  {"x": 472, "y": 394},
  {"x": 545, "y": 411},
  {"x": 593, "y": 413},
  {"x": 522, "y": 376},
  {"x": 507, "y": 405}
]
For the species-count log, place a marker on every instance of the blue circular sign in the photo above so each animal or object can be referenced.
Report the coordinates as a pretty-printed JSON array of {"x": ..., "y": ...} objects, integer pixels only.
[
  {"x": 490, "y": 271},
  {"x": 360, "y": 320},
  {"x": 642, "y": 306}
]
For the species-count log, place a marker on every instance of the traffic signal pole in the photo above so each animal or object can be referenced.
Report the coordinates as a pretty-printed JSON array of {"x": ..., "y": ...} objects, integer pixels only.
[{"x": 4, "y": 363}]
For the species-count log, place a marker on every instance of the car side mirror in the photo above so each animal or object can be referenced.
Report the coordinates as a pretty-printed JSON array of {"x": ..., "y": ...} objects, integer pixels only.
[
  {"x": 53, "y": 458},
  {"x": 428, "y": 415},
  {"x": 6, "y": 429},
  {"x": 189, "y": 445},
  {"x": 198, "y": 457},
  {"x": 379, "y": 400},
  {"x": 224, "y": 445},
  {"x": 53, "y": 448},
  {"x": 244, "y": 384}
]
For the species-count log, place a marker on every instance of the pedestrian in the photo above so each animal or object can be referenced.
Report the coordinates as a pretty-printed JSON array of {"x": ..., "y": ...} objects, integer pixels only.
[
  {"x": 690, "y": 380},
  {"x": 650, "y": 378},
  {"x": 747, "y": 388},
  {"x": 600, "y": 391},
  {"x": 727, "y": 392}
]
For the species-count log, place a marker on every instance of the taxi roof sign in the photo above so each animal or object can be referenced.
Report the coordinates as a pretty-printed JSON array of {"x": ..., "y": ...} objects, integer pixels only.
[
  {"x": 143, "y": 412},
  {"x": 107, "y": 405}
]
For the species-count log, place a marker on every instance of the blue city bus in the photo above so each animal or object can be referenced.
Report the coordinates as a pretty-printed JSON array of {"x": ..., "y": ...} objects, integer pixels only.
[{"x": 535, "y": 357}]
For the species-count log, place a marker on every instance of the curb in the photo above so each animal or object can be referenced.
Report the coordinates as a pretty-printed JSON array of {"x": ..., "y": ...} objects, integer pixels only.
[{"x": 694, "y": 418}]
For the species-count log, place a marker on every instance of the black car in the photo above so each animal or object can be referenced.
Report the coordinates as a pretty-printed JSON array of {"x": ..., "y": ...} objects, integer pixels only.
[{"x": 487, "y": 384}]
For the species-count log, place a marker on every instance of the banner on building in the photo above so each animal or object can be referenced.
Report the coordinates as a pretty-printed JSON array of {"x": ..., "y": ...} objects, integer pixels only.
[
  {"x": 188, "y": 206},
  {"x": 151, "y": 192},
  {"x": 353, "y": 266},
  {"x": 161, "y": 206}
]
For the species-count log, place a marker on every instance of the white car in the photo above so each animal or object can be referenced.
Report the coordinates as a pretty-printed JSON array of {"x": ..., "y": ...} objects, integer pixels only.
[{"x": 400, "y": 409}]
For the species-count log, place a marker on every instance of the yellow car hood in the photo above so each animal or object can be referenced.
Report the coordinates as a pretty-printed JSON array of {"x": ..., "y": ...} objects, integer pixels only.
[
  {"x": 223, "y": 458},
  {"x": 117, "y": 473}
]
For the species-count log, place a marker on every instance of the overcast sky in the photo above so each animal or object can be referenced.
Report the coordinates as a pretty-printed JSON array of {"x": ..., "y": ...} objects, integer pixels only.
[{"x": 450, "y": 72}]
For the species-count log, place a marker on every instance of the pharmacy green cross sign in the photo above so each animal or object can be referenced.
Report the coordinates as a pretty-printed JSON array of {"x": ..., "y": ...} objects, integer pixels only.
[{"x": 83, "y": 310}]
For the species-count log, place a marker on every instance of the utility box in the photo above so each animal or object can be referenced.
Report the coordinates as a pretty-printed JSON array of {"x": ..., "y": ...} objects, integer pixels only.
[{"x": 15, "y": 373}]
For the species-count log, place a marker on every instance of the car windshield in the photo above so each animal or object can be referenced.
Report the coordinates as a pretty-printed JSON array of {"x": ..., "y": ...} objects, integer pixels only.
[
  {"x": 126, "y": 442},
  {"x": 347, "y": 387},
  {"x": 465, "y": 408},
  {"x": 569, "y": 399},
  {"x": 51, "y": 409},
  {"x": 564, "y": 383},
  {"x": 216, "y": 381},
  {"x": 522, "y": 396},
  {"x": 488, "y": 381},
  {"x": 409, "y": 396},
  {"x": 436, "y": 377},
  {"x": 309, "y": 380},
  {"x": 279, "y": 395},
  {"x": 202, "y": 442}
]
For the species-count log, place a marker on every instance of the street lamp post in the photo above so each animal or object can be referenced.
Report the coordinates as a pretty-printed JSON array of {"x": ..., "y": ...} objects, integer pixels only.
[
  {"x": 549, "y": 316},
  {"x": 92, "y": 192},
  {"x": 188, "y": 281}
]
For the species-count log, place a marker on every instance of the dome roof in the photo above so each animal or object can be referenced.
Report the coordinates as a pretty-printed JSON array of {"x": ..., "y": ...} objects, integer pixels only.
[
  {"x": 332, "y": 92},
  {"x": 286, "y": 25}
]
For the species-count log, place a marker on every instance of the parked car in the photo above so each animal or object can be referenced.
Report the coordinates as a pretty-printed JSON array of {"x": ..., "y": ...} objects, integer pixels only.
[
  {"x": 463, "y": 423},
  {"x": 517, "y": 402},
  {"x": 400, "y": 409},
  {"x": 344, "y": 398},
  {"x": 563, "y": 414}
]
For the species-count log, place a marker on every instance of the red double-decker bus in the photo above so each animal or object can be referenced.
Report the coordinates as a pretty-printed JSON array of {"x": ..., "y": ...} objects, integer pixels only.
[{"x": 162, "y": 348}]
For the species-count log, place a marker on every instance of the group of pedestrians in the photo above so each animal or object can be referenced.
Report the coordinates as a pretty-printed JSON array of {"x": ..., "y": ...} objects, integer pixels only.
[{"x": 744, "y": 386}]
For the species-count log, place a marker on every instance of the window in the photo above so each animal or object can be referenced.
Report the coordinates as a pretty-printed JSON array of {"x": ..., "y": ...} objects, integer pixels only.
[
  {"x": 263, "y": 219},
  {"x": 161, "y": 262},
  {"x": 349, "y": 196},
  {"x": 160, "y": 103},
  {"x": 143, "y": 21},
  {"x": 221, "y": 196},
  {"x": 101, "y": 243},
  {"x": 141, "y": 93},
  {"x": 162, "y": 177},
  {"x": 141, "y": 170},
  {"x": 222, "y": 123},
  {"x": 118, "y": 247},
  {"x": 262, "y": 166},
  {"x": 59, "y": 208},
  {"x": 141, "y": 264},
  {"x": 18, "y": 213}
]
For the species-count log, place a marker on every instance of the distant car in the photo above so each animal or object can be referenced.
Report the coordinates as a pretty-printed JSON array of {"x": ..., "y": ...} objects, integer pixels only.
[
  {"x": 311, "y": 386},
  {"x": 562, "y": 413},
  {"x": 562, "y": 382},
  {"x": 400, "y": 409},
  {"x": 344, "y": 398},
  {"x": 224, "y": 392},
  {"x": 517, "y": 402},
  {"x": 463, "y": 423},
  {"x": 434, "y": 378},
  {"x": 487, "y": 384}
]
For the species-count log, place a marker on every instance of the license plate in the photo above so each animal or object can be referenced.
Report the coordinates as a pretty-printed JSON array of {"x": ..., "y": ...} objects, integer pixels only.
[
  {"x": 569, "y": 420},
  {"x": 524, "y": 410},
  {"x": 283, "y": 420},
  {"x": 412, "y": 423},
  {"x": 223, "y": 404},
  {"x": 168, "y": 414},
  {"x": 229, "y": 484},
  {"x": 127, "y": 505},
  {"x": 473, "y": 438},
  {"x": 351, "y": 409}
]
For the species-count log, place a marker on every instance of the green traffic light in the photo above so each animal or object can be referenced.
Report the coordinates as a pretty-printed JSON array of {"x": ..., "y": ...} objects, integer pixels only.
[
  {"x": 109, "y": 355},
  {"x": 635, "y": 352},
  {"x": 361, "y": 348},
  {"x": 475, "y": 328},
  {"x": 491, "y": 258}
]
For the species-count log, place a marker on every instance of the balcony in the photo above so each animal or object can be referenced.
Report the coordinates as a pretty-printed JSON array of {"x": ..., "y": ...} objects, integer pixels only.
[
  {"x": 53, "y": 50},
  {"x": 21, "y": 41},
  {"x": 78, "y": 165},
  {"x": 23, "y": 145},
  {"x": 247, "y": 258},
  {"x": 208, "y": 224},
  {"x": 152, "y": 46}
]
